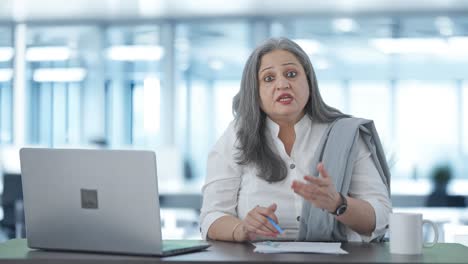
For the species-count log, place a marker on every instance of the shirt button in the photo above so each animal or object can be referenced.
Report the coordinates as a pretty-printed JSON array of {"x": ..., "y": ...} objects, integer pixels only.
[
  {"x": 298, "y": 218},
  {"x": 292, "y": 166}
]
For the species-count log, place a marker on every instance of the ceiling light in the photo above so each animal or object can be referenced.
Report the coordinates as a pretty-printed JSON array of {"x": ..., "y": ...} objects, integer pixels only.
[
  {"x": 6, "y": 53},
  {"x": 321, "y": 64},
  {"x": 344, "y": 25},
  {"x": 6, "y": 75},
  {"x": 216, "y": 64},
  {"x": 48, "y": 53},
  {"x": 410, "y": 45},
  {"x": 151, "y": 7},
  {"x": 444, "y": 25},
  {"x": 135, "y": 53},
  {"x": 59, "y": 75},
  {"x": 309, "y": 46}
]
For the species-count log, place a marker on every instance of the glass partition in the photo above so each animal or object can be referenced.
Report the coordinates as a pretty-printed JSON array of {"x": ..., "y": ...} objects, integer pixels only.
[
  {"x": 464, "y": 119},
  {"x": 63, "y": 84},
  {"x": 404, "y": 72},
  {"x": 134, "y": 85},
  {"x": 372, "y": 100},
  {"x": 6, "y": 84},
  {"x": 209, "y": 61},
  {"x": 426, "y": 127},
  {"x": 168, "y": 85}
]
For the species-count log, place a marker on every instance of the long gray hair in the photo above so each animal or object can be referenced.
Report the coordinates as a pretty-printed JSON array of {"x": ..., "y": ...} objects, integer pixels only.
[{"x": 254, "y": 148}]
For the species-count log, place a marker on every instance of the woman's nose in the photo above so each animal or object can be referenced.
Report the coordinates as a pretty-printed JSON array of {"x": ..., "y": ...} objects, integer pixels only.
[{"x": 282, "y": 83}]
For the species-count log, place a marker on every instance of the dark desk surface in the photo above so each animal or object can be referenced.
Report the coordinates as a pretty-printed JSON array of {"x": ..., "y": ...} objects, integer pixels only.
[{"x": 224, "y": 252}]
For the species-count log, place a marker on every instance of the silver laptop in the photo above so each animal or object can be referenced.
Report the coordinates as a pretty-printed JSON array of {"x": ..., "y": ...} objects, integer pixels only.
[{"x": 95, "y": 200}]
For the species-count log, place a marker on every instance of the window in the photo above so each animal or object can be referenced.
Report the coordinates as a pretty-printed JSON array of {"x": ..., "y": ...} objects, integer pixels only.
[
  {"x": 364, "y": 67},
  {"x": 464, "y": 119},
  {"x": 63, "y": 83},
  {"x": 136, "y": 83},
  {"x": 6, "y": 100},
  {"x": 426, "y": 126},
  {"x": 146, "y": 112},
  {"x": 224, "y": 92},
  {"x": 333, "y": 93},
  {"x": 210, "y": 57},
  {"x": 169, "y": 84},
  {"x": 6, "y": 84},
  {"x": 371, "y": 100}
]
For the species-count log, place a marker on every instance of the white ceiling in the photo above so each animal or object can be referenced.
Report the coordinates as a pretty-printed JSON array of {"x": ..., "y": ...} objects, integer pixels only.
[{"x": 34, "y": 10}]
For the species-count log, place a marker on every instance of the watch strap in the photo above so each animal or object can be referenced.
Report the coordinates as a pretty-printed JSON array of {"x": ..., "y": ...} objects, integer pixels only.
[{"x": 339, "y": 208}]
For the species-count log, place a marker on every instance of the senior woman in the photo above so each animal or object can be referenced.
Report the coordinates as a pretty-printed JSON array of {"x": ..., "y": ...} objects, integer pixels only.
[{"x": 316, "y": 172}]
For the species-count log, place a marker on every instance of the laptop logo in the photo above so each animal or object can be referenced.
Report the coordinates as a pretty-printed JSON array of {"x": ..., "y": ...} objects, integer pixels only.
[{"x": 89, "y": 199}]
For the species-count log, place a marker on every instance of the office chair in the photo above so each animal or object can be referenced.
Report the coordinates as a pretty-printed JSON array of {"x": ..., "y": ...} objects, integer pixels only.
[{"x": 12, "y": 204}]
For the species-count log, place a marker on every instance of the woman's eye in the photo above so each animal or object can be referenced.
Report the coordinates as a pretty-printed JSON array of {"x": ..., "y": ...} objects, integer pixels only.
[
  {"x": 291, "y": 74},
  {"x": 268, "y": 79}
]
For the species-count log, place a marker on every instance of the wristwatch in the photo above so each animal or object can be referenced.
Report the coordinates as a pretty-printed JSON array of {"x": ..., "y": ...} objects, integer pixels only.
[{"x": 341, "y": 209}]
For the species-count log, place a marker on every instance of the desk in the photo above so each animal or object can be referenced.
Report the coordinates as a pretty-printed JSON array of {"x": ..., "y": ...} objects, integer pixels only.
[{"x": 16, "y": 251}]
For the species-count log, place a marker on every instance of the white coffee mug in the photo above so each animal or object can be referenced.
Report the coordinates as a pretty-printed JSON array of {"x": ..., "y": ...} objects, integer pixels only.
[{"x": 406, "y": 236}]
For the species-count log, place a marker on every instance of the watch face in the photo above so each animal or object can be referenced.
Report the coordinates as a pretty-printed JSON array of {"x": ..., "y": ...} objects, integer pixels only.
[{"x": 341, "y": 209}]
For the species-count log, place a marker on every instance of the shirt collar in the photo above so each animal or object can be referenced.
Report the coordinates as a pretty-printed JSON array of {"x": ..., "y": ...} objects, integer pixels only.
[
  {"x": 272, "y": 127},
  {"x": 299, "y": 127}
]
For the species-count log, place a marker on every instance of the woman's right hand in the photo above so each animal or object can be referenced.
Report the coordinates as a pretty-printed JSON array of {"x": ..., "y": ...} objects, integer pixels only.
[{"x": 256, "y": 224}]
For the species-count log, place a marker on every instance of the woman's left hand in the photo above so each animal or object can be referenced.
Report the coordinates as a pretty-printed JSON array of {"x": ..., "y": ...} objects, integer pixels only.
[{"x": 320, "y": 191}]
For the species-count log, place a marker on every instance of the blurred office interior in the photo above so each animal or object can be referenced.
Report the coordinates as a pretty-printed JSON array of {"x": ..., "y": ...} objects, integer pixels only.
[{"x": 160, "y": 75}]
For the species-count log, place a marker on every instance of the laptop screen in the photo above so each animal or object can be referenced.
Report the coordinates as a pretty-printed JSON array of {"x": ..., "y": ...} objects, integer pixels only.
[{"x": 92, "y": 200}]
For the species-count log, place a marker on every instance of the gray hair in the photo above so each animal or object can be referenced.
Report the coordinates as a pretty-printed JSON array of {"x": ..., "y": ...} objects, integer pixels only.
[{"x": 254, "y": 148}]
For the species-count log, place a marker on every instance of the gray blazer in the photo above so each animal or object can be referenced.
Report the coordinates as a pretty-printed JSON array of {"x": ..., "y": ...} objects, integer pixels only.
[{"x": 337, "y": 150}]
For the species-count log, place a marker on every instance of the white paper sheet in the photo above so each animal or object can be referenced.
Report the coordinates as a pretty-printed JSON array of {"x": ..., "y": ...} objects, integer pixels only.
[{"x": 299, "y": 247}]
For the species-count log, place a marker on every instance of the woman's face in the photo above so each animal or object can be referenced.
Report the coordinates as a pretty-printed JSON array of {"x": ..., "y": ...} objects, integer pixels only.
[{"x": 284, "y": 90}]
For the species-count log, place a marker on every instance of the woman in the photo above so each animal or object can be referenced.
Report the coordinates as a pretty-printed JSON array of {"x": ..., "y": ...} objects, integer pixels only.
[{"x": 262, "y": 165}]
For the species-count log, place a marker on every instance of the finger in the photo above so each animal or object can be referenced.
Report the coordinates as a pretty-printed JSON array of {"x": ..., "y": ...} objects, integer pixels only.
[
  {"x": 272, "y": 207},
  {"x": 304, "y": 190},
  {"x": 308, "y": 197},
  {"x": 303, "y": 194},
  {"x": 301, "y": 184},
  {"x": 269, "y": 234},
  {"x": 266, "y": 226},
  {"x": 269, "y": 211},
  {"x": 266, "y": 210},
  {"x": 322, "y": 171},
  {"x": 274, "y": 218},
  {"x": 254, "y": 230},
  {"x": 308, "y": 187},
  {"x": 255, "y": 226},
  {"x": 260, "y": 222},
  {"x": 298, "y": 186},
  {"x": 313, "y": 198},
  {"x": 320, "y": 192},
  {"x": 317, "y": 181},
  {"x": 263, "y": 213},
  {"x": 318, "y": 196}
]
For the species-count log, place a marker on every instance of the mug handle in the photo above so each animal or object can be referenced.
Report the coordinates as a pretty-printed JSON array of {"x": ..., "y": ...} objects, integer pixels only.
[{"x": 436, "y": 233}]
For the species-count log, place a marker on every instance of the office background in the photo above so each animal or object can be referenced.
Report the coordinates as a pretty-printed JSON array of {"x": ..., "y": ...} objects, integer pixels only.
[{"x": 161, "y": 75}]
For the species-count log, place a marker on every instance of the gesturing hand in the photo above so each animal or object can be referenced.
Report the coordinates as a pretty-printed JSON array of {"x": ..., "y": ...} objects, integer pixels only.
[
  {"x": 256, "y": 224},
  {"x": 320, "y": 191}
]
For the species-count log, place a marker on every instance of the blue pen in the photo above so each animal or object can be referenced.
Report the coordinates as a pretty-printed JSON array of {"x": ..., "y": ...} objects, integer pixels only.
[{"x": 275, "y": 225}]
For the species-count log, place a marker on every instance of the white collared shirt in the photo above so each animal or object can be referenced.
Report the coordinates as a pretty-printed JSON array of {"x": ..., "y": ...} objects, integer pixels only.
[{"x": 233, "y": 189}]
